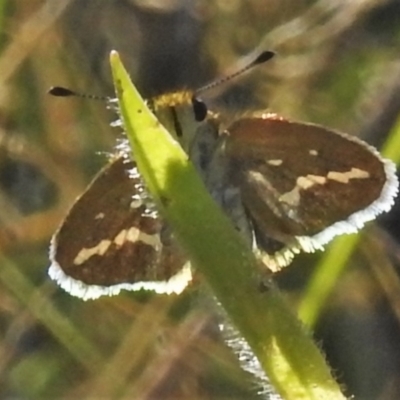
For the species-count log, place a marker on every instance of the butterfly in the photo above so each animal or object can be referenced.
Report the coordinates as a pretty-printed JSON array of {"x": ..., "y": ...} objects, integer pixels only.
[{"x": 286, "y": 186}]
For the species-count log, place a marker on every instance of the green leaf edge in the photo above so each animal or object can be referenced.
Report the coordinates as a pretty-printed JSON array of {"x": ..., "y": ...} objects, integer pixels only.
[{"x": 289, "y": 357}]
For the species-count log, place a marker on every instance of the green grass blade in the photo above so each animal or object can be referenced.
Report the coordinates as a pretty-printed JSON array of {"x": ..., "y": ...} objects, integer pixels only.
[
  {"x": 285, "y": 350},
  {"x": 40, "y": 306}
]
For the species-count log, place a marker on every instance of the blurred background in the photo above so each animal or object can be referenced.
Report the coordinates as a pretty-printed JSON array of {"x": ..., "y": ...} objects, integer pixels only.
[{"x": 337, "y": 64}]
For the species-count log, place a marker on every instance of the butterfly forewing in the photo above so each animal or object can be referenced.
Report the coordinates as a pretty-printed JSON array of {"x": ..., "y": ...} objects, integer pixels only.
[
  {"x": 109, "y": 240},
  {"x": 302, "y": 184}
]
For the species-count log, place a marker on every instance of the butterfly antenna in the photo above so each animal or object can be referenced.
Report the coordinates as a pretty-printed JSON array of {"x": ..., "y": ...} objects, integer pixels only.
[
  {"x": 59, "y": 91},
  {"x": 260, "y": 59}
]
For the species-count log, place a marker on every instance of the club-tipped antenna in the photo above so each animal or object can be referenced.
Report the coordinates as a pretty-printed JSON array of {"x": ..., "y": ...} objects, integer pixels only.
[
  {"x": 59, "y": 91},
  {"x": 260, "y": 59}
]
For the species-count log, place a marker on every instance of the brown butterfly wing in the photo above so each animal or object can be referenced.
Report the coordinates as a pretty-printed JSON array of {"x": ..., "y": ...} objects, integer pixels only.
[
  {"x": 109, "y": 240},
  {"x": 302, "y": 184}
]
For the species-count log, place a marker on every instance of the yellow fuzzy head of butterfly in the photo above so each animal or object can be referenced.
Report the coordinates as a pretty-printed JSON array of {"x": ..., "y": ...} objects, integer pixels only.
[{"x": 176, "y": 111}]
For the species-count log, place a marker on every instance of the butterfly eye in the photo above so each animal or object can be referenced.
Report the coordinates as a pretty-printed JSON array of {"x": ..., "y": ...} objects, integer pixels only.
[{"x": 199, "y": 109}]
